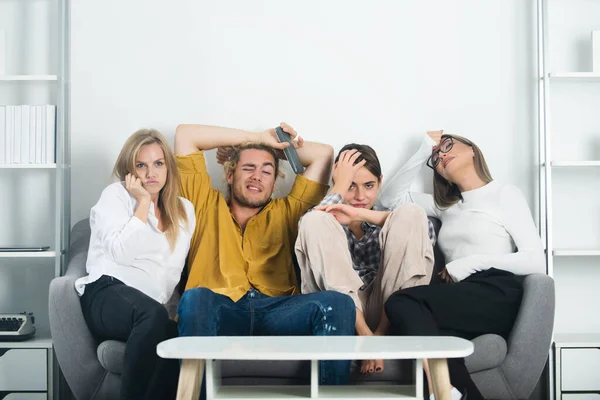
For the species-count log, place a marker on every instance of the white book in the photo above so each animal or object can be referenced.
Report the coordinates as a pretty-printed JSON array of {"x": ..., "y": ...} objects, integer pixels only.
[
  {"x": 38, "y": 134},
  {"x": 2, "y": 134},
  {"x": 25, "y": 118},
  {"x": 43, "y": 123},
  {"x": 50, "y": 134},
  {"x": 17, "y": 137},
  {"x": 32, "y": 129},
  {"x": 10, "y": 133}
]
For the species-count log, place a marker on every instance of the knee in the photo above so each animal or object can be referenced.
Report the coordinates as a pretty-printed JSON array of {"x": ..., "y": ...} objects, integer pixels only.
[
  {"x": 339, "y": 308},
  {"x": 156, "y": 318},
  {"x": 316, "y": 221},
  {"x": 192, "y": 298},
  {"x": 399, "y": 307},
  {"x": 408, "y": 214}
]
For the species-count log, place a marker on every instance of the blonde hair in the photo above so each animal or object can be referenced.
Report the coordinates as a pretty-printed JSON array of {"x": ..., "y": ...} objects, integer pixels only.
[
  {"x": 171, "y": 207},
  {"x": 446, "y": 193}
]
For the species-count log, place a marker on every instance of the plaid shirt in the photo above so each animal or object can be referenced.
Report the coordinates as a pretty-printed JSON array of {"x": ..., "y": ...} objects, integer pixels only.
[{"x": 366, "y": 251}]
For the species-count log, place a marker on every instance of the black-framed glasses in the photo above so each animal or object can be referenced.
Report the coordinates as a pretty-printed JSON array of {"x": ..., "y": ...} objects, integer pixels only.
[{"x": 446, "y": 144}]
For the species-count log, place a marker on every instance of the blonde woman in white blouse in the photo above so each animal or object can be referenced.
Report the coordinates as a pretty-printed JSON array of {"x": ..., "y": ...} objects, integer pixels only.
[{"x": 141, "y": 231}]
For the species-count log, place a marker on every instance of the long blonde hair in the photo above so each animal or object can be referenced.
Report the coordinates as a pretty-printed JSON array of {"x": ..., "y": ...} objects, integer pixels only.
[
  {"x": 171, "y": 207},
  {"x": 446, "y": 193}
]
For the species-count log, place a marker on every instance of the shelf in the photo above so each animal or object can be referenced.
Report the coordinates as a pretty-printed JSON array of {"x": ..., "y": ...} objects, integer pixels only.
[
  {"x": 27, "y": 254},
  {"x": 577, "y": 339},
  {"x": 27, "y": 166},
  {"x": 28, "y": 78},
  {"x": 575, "y": 76},
  {"x": 379, "y": 392},
  {"x": 576, "y": 253},
  {"x": 575, "y": 163},
  {"x": 41, "y": 340}
]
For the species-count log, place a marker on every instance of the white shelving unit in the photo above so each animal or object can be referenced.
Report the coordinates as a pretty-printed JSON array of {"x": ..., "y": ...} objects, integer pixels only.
[
  {"x": 28, "y": 254},
  {"x": 35, "y": 197},
  {"x": 575, "y": 361},
  {"x": 28, "y": 78},
  {"x": 28, "y": 166}
]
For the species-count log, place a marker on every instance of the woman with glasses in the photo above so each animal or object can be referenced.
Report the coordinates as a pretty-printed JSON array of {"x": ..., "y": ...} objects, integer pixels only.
[{"x": 489, "y": 242}]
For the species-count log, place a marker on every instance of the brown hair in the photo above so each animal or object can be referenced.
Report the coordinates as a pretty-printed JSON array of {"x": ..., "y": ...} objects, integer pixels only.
[
  {"x": 171, "y": 207},
  {"x": 366, "y": 153},
  {"x": 446, "y": 193},
  {"x": 234, "y": 157}
]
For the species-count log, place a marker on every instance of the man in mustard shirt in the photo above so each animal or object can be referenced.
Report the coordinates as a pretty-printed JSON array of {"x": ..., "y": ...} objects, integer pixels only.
[{"x": 241, "y": 275}]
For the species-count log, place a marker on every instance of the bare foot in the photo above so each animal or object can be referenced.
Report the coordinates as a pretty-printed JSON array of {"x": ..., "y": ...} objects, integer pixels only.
[{"x": 369, "y": 367}]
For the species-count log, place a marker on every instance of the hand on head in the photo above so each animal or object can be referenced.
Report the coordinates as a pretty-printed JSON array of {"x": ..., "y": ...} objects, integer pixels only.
[
  {"x": 436, "y": 136},
  {"x": 345, "y": 168}
]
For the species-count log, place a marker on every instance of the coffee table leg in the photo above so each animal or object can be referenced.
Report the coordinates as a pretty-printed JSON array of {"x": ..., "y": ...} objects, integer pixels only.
[
  {"x": 190, "y": 379},
  {"x": 438, "y": 368},
  {"x": 419, "y": 378}
]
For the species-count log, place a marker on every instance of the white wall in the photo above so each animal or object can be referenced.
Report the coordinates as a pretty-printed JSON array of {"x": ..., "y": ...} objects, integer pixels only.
[{"x": 380, "y": 72}]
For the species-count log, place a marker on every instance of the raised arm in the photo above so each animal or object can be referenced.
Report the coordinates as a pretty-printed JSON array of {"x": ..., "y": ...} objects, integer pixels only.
[
  {"x": 396, "y": 186},
  {"x": 316, "y": 157},
  {"x": 529, "y": 256}
]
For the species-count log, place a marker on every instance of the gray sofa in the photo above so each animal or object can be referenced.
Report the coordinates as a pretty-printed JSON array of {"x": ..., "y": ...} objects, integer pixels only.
[{"x": 501, "y": 369}]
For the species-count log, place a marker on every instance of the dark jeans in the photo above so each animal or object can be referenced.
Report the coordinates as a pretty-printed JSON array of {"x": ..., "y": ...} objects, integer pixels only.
[
  {"x": 485, "y": 302},
  {"x": 205, "y": 313},
  {"x": 115, "y": 311}
]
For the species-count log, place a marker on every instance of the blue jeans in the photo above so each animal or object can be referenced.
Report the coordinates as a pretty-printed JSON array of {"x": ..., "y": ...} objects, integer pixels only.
[{"x": 203, "y": 312}]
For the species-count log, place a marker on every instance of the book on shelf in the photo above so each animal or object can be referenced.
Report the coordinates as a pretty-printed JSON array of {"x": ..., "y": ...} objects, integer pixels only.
[{"x": 28, "y": 134}]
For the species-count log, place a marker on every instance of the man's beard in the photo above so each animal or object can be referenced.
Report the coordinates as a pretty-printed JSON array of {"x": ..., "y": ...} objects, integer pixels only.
[{"x": 244, "y": 201}]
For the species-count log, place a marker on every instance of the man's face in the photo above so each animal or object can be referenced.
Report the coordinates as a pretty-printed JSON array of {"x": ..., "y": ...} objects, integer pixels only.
[{"x": 253, "y": 180}]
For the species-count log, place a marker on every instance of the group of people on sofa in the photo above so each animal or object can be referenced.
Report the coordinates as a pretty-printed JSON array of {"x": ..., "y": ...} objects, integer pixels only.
[{"x": 364, "y": 248}]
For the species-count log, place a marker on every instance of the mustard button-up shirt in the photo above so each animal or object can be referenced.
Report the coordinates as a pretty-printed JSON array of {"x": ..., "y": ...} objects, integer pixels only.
[{"x": 228, "y": 262}]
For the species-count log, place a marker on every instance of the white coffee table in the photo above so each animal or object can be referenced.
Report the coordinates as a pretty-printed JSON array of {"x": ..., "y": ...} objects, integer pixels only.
[{"x": 195, "y": 351}]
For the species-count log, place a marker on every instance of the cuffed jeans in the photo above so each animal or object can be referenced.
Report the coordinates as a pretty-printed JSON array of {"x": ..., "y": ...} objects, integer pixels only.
[{"x": 205, "y": 313}]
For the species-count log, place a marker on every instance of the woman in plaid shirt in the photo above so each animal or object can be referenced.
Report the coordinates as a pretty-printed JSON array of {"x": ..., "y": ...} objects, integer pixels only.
[{"x": 345, "y": 245}]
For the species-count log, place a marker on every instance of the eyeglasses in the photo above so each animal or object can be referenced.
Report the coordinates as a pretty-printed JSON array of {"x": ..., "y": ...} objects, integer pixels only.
[{"x": 445, "y": 146}]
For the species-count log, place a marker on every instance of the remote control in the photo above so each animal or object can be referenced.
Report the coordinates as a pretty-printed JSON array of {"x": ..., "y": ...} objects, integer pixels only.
[{"x": 290, "y": 151}]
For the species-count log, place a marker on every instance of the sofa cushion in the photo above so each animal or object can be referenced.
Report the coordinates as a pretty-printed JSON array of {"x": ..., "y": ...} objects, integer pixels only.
[
  {"x": 489, "y": 352},
  {"x": 110, "y": 354}
]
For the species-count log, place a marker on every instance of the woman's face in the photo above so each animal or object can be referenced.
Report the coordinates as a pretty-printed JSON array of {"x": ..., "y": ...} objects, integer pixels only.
[
  {"x": 363, "y": 191},
  {"x": 151, "y": 168},
  {"x": 459, "y": 157}
]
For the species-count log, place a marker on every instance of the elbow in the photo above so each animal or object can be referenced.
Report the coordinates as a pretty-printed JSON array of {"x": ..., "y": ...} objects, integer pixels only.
[
  {"x": 181, "y": 133},
  {"x": 326, "y": 152}
]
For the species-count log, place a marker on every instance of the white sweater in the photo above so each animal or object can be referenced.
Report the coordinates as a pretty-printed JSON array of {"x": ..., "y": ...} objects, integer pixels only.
[{"x": 491, "y": 227}]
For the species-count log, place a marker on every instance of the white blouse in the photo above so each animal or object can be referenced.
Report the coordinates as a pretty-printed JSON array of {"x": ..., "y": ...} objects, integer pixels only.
[
  {"x": 491, "y": 227},
  {"x": 136, "y": 253}
]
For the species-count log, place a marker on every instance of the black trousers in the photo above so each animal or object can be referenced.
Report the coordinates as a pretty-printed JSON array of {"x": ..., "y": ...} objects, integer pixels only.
[
  {"x": 485, "y": 302},
  {"x": 115, "y": 311}
]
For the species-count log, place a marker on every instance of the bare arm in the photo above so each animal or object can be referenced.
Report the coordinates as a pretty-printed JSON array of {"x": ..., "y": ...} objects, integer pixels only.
[
  {"x": 316, "y": 157},
  {"x": 346, "y": 214},
  {"x": 190, "y": 138}
]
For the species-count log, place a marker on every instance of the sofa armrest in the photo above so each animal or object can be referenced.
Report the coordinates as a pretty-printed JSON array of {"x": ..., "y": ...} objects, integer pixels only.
[
  {"x": 529, "y": 340},
  {"x": 74, "y": 345}
]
